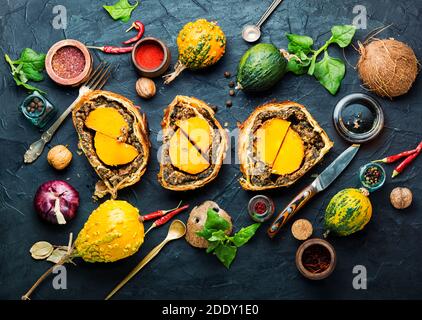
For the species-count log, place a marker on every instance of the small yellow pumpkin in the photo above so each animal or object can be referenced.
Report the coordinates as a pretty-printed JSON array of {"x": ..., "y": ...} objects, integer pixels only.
[
  {"x": 113, "y": 232},
  {"x": 201, "y": 44}
]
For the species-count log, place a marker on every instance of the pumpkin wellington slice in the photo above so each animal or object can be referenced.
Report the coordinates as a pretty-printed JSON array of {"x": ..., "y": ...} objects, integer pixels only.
[
  {"x": 270, "y": 137},
  {"x": 198, "y": 131},
  {"x": 277, "y": 144},
  {"x": 112, "y": 152},
  {"x": 108, "y": 121},
  {"x": 194, "y": 145},
  {"x": 185, "y": 156},
  {"x": 113, "y": 134}
]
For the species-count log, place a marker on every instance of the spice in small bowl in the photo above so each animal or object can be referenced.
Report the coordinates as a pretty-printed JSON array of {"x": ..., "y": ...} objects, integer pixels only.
[
  {"x": 316, "y": 259},
  {"x": 261, "y": 208},
  {"x": 151, "y": 57},
  {"x": 68, "y": 63},
  {"x": 37, "y": 109},
  {"x": 372, "y": 176}
]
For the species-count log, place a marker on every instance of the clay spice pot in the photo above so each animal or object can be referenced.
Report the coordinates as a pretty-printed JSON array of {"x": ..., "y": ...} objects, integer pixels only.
[
  {"x": 151, "y": 57},
  {"x": 68, "y": 63},
  {"x": 316, "y": 259}
]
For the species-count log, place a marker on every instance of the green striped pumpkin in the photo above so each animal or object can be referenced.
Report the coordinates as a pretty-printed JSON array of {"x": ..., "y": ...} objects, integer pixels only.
[{"x": 348, "y": 212}]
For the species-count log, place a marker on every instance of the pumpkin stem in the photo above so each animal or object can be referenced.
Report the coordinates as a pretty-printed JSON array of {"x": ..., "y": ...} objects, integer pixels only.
[{"x": 178, "y": 68}]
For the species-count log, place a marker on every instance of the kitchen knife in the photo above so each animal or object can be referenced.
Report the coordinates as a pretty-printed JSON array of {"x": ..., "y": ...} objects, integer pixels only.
[{"x": 319, "y": 184}]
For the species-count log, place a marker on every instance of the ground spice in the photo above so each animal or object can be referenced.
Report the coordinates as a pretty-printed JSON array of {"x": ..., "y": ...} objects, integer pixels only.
[
  {"x": 316, "y": 258},
  {"x": 149, "y": 55},
  {"x": 68, "y": 62}
]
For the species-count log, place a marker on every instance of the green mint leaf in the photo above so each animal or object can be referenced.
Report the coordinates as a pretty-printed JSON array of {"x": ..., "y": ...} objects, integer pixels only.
[
  {"x": 214, "y": 223},
  {"x": 245, "y": 234},
  {"x": 299, "y": 43},
  {"x": 342, "y": 35},
  {"x": 226, "y": 254},
  {"x": 121, "y": 10},
  {"x": 330, "y": 72}
]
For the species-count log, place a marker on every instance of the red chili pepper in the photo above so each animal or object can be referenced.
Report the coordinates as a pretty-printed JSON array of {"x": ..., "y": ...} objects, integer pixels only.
[
  {"x": 167, "y": 217},
  {"x": 400, "y": 155},
  {"x": 138, "y": 25},
  {"x": 158, "y": 213},
  {"x": 405, "y": 163},
  {"x": 112, "y": 49}
]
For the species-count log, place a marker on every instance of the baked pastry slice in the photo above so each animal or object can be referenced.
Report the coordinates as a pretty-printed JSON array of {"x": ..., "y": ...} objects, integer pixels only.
[
  {"x": 278, "y": 143},
  {"x": 194, "y": 145},
  {"x": 113, "y": 134}
]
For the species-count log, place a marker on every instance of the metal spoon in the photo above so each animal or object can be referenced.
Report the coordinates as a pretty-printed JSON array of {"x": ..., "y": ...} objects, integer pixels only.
[
  {"x": 252, "y": 32},
  {"x": 177, "y": 230}
]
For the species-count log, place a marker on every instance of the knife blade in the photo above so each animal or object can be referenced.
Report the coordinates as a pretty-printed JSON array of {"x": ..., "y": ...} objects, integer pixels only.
[{"x": 320, "y": 183}]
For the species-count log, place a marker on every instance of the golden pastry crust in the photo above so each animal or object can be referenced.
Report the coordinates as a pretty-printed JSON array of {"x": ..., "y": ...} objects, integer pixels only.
[
  {"x": 183, "y": 107},
  {"x": 256, "y": 174},
  {"x": 113, "y": 178}
]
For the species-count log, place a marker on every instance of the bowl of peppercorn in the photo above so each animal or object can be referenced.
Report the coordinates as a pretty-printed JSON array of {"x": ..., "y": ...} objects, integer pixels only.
[{"x": 372, "y": 176}]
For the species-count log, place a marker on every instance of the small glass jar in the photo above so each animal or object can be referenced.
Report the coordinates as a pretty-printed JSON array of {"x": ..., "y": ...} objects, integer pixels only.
[
  {"x": 261, "y": 208},
  {"x": 37, "y": 109},
  {"x": 365, "y": 176}
]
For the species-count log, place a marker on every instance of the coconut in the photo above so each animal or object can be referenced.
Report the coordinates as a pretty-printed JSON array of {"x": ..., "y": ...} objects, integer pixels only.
[{"x": 387, "y": 67}]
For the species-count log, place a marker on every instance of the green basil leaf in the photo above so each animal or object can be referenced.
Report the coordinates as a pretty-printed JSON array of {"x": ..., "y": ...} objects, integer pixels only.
[
  {"x": 121, "y": 10},
  {"x": 342, "y": 35},
  {"x": 212, "y": 246},
  {"x": 299, "y": 43},
  {"x": 245, "y": 234},
  {"x": 32, "y": 64},
  {"x": 28, "y": 86},
  {"x": 330, "y": 72},
  {"x": 214, "y": 223},
  {"x": 226, "y": 254},
  {"x": 299, "y": 63},
  {"x": 217, "y": 236}
]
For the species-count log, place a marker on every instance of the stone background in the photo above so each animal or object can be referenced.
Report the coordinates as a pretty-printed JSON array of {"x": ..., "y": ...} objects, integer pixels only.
[{"x": 389, "y": 247}]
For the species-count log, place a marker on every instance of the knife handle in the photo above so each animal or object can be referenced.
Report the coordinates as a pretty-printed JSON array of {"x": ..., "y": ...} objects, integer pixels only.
[{"x": 298, "y": 202}]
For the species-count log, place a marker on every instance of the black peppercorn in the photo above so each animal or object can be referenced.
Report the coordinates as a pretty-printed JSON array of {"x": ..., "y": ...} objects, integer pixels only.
[
  {"x": 231, "y": 84},
  {"x": 214, "y": 108},
  {"x": 36, "y": 100},
  {"x": 231, "y": 92},
  {"x": 227, "y": 74},
  {"x": 229, "y": 103}
]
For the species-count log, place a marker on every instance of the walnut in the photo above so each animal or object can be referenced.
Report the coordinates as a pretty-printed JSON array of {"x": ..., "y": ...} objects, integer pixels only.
[
  {"x": 59, "y": 157},
  {"x": 401, "y": 198},
  {"x": 145, "y": 88}
]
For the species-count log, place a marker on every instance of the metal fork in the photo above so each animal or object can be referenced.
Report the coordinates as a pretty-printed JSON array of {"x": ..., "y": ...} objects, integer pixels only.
[{"x": 95, "y": 82}]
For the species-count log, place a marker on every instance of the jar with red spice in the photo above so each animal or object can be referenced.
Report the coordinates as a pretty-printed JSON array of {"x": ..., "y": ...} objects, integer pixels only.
[
  {"x": 261, "y": 208},
  {"x": 151, "y": 57}
]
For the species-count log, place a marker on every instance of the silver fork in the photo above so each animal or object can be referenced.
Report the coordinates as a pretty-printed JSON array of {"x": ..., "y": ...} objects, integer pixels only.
[{"x": 95, "y": 82}]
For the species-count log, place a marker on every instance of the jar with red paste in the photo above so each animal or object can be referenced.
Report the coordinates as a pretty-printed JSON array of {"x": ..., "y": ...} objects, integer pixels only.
[
  {"x": 261, "y": 208},
  {"x": 151, "y": 57}
]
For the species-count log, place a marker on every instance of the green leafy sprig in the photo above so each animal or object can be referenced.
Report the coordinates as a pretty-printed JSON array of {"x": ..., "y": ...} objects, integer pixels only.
[
  {"x": 121, "y": 10},
  {"x": 28, "y": 67},
  {"x": 328, "y": 71},
  {"x": 222, "y": 245}
]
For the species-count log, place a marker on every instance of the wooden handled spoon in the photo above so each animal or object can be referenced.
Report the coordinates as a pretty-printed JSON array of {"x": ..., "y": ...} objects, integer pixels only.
[{"x": 177, "y": 230}]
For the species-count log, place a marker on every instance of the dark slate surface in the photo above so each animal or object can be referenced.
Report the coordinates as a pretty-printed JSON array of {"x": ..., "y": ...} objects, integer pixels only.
[{"x": 389, "y": 247}]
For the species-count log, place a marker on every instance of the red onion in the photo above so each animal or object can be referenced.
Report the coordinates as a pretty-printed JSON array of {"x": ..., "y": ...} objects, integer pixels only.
[{"x": 56, "y": 201}]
